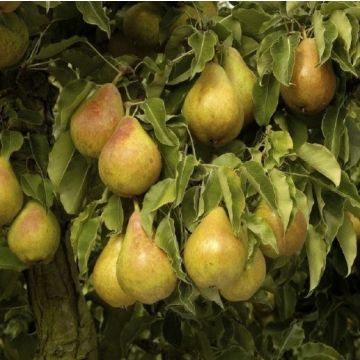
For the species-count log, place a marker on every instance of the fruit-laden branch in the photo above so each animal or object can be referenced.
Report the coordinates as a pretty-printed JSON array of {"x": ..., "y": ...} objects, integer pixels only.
[{"x": 64, "y": 324}]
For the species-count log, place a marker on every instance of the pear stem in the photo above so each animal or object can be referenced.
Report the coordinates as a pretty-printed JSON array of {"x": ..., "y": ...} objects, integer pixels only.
[
  {"x": 136, "y": 206},
  {"x": 303, "y": 32}
]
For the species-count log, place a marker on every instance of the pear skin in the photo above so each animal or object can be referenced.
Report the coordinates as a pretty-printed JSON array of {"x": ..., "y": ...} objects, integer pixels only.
[
  {"x": 243, "y": 80},
  {"x": 213, "y": 256},
  {"x": 96, "y": 119},
  {"x": 9, "y": 6},
  {"x": 355, "y": 221},
  {"x": 212, "y": 109},
  {"x": 130, "y": 161},
  {"x": 14, "y": 39},
  {"x": 11, "y": 195},
  {"x": 249, "y": 281},
  {"x": 312, "y": 86},
  {"x": 104, "y": 277},
  {"x": 34, "y": 236},
  {"x": 144, "y": 270}
]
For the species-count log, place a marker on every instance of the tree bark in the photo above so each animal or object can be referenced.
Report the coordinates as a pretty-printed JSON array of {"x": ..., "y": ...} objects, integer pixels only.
[{"x": 64, "y": 324}]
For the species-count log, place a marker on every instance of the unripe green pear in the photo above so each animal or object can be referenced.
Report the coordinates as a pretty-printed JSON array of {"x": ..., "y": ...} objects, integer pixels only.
[
  {"x": 130, "y": 161},
  {"x": 212, "y": 108},
  {"x": 312, "y": 86},
  {"x": 34, "y": 236},
  {"x": 9, "y": 6},
  {"x": 11, "y": 195},
  {"x": 144, "y": 270},
  {"x": 104, "y": 277},
  {"x": 249, "y": 281},
  {"x": 213, "y": 256},
  {"x": 14, "y": 40},
  {"x": 96, "y": 119}
]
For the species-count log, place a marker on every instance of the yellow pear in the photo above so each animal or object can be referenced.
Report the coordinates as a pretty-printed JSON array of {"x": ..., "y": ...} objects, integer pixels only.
[
  {"x": 11, "y": 196},
  {"x": 34, "y": 235},
  {"x": 144, "y": 270},
  {"x": 355, "y": 221},
  {"x": 14, "y": 40},
  {"x": 242, "y": 78},
  {"x": 130, "y": 161},
  {"x": 249, "y": 281},
  {"x": 96, "y": 119},
  {"x": 213, "y": 256},
  {"x": 9, "y": 6},
  {"x": 312, "y": 86},
  {"x": 212, "y": 109},
  {"x": 104, "y": 277}
]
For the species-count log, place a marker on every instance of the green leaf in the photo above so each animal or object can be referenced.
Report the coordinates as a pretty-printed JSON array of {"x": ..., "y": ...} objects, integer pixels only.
[
  {"x": 11, "y": 141},
  {"x": 291, "y": 6},
  {"x": 229, "y": 160},
  {"x": 38, "y": 188},
  {"x": 212, "y": 193},
  {"x": 40, "y": 150},
  {"x": 281, "y": 144},
  {"x": 322, "y": 160},
  {"x": 317, "y": 351},
  {"x": 183, "y": 173},
  {"x": 283, "y": 54},
  {"x": 266, "y": 97},
  {"x": 203, "y": 43},
  {"x": 113, "y": 215},
  {"x": 343, "y": 26},
  {"x": 93, "y": 13},
  {"x": 291, "y": 338},
  {"x": 9, "y": 261}
]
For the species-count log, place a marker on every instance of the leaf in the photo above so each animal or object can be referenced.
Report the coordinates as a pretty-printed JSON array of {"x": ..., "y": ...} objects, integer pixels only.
[
  {"x": 281, "y": 144},
  {"x": 291, "y": 6},
  {"x": 229, "y": 160},
  {"x": 266, "y": 97},
  {"x": 291, "y": 338},
  {"x": 317, "y": 351},
  {"x": 113, "y": 215},
  {"x": 183, "y": 173},
  {"x": 322, "y": 160},
  {"x": 212, "y": 193},
  {"x": 283, "y": 54},
  {"x": 38, "y": 188},
  {"x": 9, "y": 261},
  {"x": 93, "y": 13},
  {"x": 316, "y": 251},
  {"x": 11, "y": 141},
  {"x": 343, "y": 26},
  {"x": 203, "y": 43}
]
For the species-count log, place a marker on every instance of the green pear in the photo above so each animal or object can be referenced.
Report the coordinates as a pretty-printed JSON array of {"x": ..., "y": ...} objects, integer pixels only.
[
  {"x": 96, "y": 119},
  {"x": 212, "y": 108},
  {"x": 11, "y": 196},
  {"x": 104, "y": 277},
  {"x": 142, "y": 24},
  {"x": 312, "y": 86},
  {"x": 213, "y": 256},
  {"x": 249, "y": 281},
  {"x": 9, "y": 6},
  {"x": 130, "y": 161},
  {"x": 34, "y": 236},
  {"x": 242, "y": 78},
  {"x": 144, "y": 271},
  {"x": 14, "y": 39}
]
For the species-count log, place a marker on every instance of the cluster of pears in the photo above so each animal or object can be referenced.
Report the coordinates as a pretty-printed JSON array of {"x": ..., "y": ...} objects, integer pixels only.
[
  {"x": 220, "y": 102},
  {"x": 14, "y": 35},
  {"x": 134, "y": 267},
  {"x": 312, "y": 86},
  {"x": 129, "y": 160},
  {"x": 34, "y": 234}
]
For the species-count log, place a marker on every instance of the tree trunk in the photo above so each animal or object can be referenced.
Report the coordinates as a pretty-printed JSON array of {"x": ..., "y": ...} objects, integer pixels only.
[{"x": 64, "y": 324}]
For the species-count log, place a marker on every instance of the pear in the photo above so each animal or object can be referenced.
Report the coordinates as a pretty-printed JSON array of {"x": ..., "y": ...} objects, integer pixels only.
[
  {"x": 212, "y": 108},
  {"x": 104, "y": 277},
  {"x": 242, "y": 78},
  {"x": 130, "y": 161},
  {"x": 14, "y": 39},
  {"x": 249, "y": 281},
  {"x": 9, "y": 6},
  {"x": 312, "y": 86},
  {"x": 142, "y": 24},
  {"x": 213, "y": 256},
  {"x": 34, "y": 236},
  {"x": 96, "y": 119},
  {"x": 355, "y": 221},
  {"x": 290, "y": 242},
  {"x": 144, "y": 270},
  {"x": 11, "y": 196}
]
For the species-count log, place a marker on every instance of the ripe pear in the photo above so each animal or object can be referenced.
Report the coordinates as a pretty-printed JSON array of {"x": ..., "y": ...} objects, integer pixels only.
[
  {"x": 213, "y": 256},
  {"x": 144, "y": 270},
  {"x": 289, "y": 242},
  {"x": 142, "y": 24},
  {"x": 355, "y": 221},
  {"x": 212, "y": 108},
  {"x": 312, "y": 86},
  {"x": 34, "y": 236},
  {"x": 11, "y": 196},
  {"x": 249, "y": 281},
  {"x": 9, "y": 6},
  {"x": 14, "y": 40},
  {"x": 104, "y": 277},
  {"x": 96, "y": 119},
  {"x": 242, "y": 78},
  {"x": 130, "y": 161}
]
